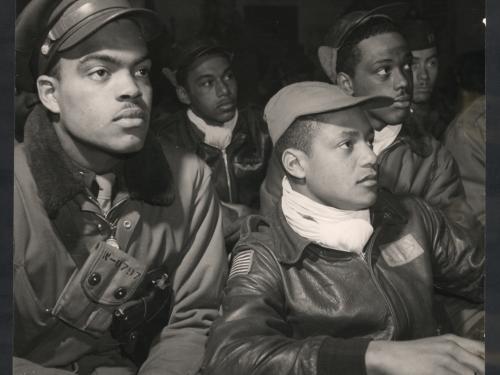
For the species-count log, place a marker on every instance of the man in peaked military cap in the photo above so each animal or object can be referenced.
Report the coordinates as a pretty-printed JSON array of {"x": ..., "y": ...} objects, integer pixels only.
[{"x": 119, "y": 255}]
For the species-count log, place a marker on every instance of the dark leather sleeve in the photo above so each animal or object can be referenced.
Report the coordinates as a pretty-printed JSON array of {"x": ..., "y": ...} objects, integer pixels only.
[
  {"x": 458, "y": 256},
  {"x": 271, "y": 189},
  {"x": 254, "y": 337}
]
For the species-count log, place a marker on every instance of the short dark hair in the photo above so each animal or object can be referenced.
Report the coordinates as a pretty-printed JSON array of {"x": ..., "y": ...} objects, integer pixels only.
[{"x": 349, "y": 55}]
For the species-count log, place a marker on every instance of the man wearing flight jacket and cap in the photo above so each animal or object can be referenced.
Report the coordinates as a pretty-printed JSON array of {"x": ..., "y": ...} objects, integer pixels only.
[
  {"x": 365, "y": 54},
  {"x": 339, "y": 279},
  {"x": 232, "y": 140},
  {"x": 119, "y": 256}
]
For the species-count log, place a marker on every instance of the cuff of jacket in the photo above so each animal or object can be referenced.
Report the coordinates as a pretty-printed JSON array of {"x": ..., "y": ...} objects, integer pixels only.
[{"x": 342, "y": 356}]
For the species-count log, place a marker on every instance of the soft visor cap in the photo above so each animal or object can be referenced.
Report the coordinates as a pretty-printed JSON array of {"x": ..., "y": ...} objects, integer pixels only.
[
  {"x": 47, "y": 27},
  {"x": 342, "y": 29},
  {"x": 308, "y": 98}
]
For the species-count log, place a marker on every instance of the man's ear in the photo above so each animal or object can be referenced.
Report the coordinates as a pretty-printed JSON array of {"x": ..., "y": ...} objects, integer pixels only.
[
  {"x": 47, "y": 87},
  {"x": 344, "y": 81},
  {"x": 295, "y": 161},
  {"x": 183, "y": 95}
]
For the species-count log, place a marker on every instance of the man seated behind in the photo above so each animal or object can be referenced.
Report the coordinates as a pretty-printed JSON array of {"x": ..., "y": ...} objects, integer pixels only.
[
  {"x": 234, "y": 142},
  {"x": 365, "y": 54},
  {"x": 340, "y": 279}
]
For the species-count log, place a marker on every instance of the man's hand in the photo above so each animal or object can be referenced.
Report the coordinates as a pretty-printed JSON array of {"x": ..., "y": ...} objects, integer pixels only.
[{"x": 441, "y": 355}]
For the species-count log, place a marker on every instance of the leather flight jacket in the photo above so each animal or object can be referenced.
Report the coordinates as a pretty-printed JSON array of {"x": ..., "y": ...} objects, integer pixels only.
[
  {"x": 238, "y": 171},
  {"x": 294, "y": 307}
]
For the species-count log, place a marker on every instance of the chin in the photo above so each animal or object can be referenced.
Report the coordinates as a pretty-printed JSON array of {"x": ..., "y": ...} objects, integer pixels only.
[
  {"x": 396, "y": 116},
  {"x": 129, "y": 147},
  {"x": 366, "y": 199}
]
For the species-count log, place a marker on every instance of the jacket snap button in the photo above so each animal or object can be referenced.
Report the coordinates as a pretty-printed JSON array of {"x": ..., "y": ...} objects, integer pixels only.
[
  {"x": 94, "y": 279},
  {"x": 120, "y": 293},
  {"x": 127, "y": 224}
]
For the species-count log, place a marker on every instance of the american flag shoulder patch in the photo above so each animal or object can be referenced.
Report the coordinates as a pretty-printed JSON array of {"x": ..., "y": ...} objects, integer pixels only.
[{"x": 242, "y": 263}]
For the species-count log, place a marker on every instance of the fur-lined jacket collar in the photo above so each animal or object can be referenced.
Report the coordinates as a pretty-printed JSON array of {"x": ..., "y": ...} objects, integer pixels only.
[{"x": 146, "y": 174}]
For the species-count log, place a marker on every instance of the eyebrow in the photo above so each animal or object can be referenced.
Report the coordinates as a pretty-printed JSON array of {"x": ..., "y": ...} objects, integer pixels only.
[
  {"x": 350, "y": 133},
  {"x": 110, "y": 59}
]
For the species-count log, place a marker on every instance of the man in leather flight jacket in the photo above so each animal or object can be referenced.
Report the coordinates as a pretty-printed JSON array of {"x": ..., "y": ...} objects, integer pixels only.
[
  {"x": 339, "y": 280},
  {"x": 232, "y": 140},
  {"x": 364, "y": 53},
  {"x": 119, "y": 257}
]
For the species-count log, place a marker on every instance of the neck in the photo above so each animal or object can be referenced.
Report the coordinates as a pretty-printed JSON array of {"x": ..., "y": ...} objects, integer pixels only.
[
  {"x": 207, "y": 121},
  {"x": 83, "y": 154},
  {"x": 376, "y": 123},
  {"x": 422, "y": 106}
]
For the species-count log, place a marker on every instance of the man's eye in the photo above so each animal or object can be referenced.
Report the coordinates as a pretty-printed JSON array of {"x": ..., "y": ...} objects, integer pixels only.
[
  {"x": 383, "y": 72},
  {"x": 206, "y": 83},
  {"x": 99, "y": 74},
  {"x": 142, "y": 72},
  {"x": 228, "y": 77},
  {"x": 432, "y": 63},
  {"x": 347, "y": 145}
]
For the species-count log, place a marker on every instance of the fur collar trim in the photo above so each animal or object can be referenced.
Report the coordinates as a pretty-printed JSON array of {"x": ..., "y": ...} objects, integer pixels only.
[{"x": 146, "y": 175}]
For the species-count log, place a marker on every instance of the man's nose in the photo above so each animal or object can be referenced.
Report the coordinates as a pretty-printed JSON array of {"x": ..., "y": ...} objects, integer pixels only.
[
  {"x": 368, "y": 157},
  {"x": 422, "y": 73},
  {"x": 400, "y": 80},
  {"x": 221, "y": 88},
  {"x": 128, "y": 88}
]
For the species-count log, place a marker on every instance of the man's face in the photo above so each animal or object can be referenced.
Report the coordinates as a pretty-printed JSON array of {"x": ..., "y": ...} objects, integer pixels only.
[
  {"x": 103, "y": 90},
  {"x": 425, "y": 70},
  {"x": 340, "y": 168},
  {"x": 212, "y": 90},
  {"x": 385, "y": 69}
]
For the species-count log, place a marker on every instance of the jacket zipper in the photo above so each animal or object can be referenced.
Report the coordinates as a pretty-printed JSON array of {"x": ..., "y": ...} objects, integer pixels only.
[
  {"x": 112, "y": 226},
  {"x": 228, "y": 177},
  {"x": 366, "y": 256}
]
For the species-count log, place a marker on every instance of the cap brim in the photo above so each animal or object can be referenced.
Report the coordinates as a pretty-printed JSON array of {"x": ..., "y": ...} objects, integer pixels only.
[
  {"x": 150, "y": 23},
  {"x": 366, "y": 102}
]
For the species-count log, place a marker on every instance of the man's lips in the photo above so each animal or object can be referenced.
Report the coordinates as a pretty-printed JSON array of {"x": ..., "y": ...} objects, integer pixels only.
[
  {"x": 226, "y": 105},
  {"x": 370, "y": 179},
  {"x": 130, "y": 113},
  {"x": 423, "y": 89},
  {"x": 402, "y": 101}
]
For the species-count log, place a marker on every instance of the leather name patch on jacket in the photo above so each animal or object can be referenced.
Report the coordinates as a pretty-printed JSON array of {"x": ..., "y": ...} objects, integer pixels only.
[
  {"x": 402, "y": 251},
  {"x": 242, "y": 263}
]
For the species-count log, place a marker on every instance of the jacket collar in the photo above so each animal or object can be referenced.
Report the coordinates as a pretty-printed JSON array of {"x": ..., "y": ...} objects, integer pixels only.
[
  {"x": 146, "y": 174},
  {"x": 416, "y": 137},
  {"x": 290, "y": 246}
]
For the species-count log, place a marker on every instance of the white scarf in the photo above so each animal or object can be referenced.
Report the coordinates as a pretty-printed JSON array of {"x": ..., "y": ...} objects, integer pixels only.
[
  {"x": 328, "y": 226},
  {"x": 215, "y": 136},
  {"x": 385, "y": 137}
]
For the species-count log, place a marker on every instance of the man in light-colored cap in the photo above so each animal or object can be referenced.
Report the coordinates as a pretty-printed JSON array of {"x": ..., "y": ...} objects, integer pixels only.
[
  {"x": 119, "y": 256},
  {"x": 340, "y": 273},
  {"x": 365, "y": 54}
]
